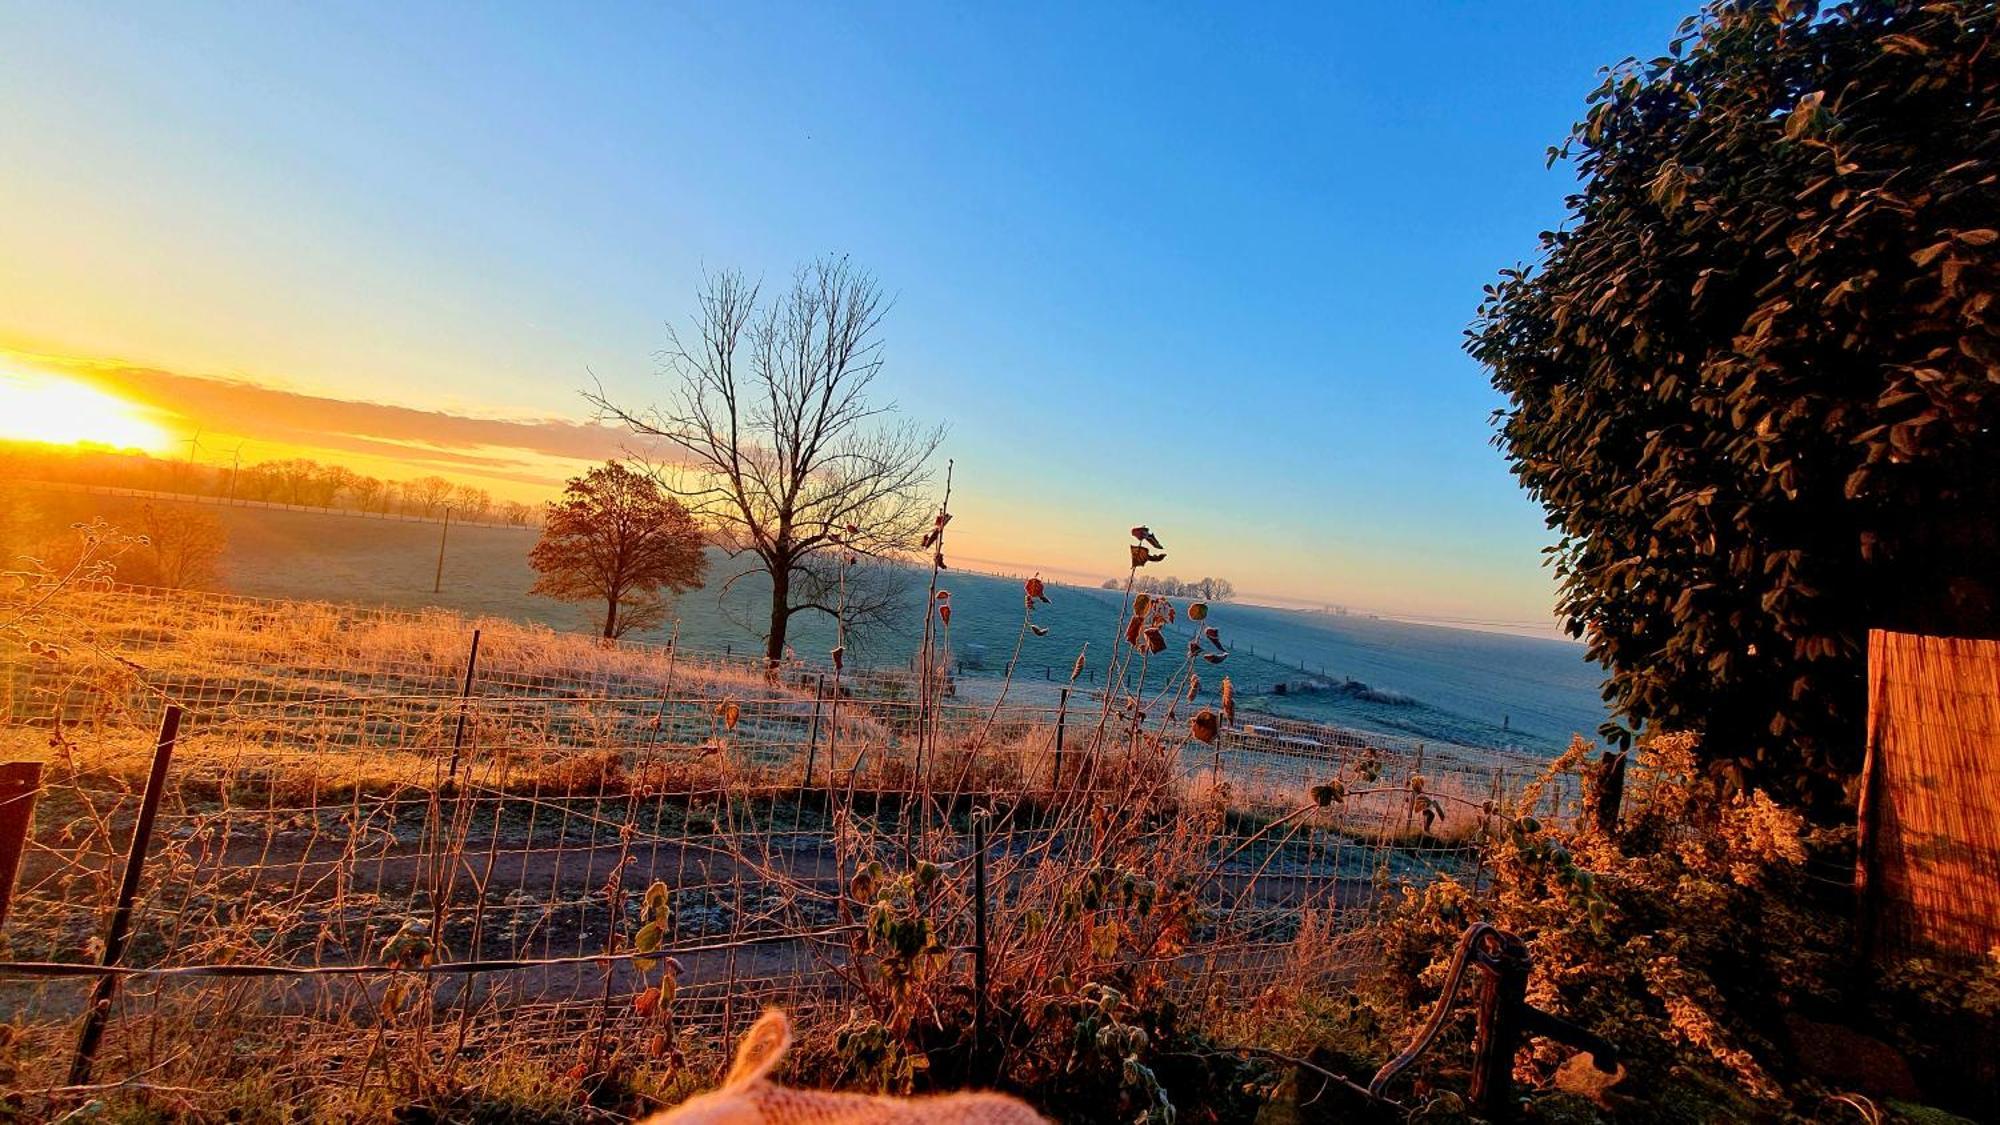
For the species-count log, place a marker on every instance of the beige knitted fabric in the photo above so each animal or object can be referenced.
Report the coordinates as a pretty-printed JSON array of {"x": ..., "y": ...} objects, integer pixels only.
[{"x": 748, "y": 1097}]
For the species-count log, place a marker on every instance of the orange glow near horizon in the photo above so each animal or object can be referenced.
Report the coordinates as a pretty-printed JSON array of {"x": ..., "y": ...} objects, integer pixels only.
[{"x": 51, "y": 409}]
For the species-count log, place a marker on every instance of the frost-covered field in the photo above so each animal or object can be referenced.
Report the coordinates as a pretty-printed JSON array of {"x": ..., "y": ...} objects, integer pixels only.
[{"x": 1428, "y": 682}]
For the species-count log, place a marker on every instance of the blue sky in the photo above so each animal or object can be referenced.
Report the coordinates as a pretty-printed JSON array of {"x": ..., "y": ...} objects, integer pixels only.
[{"x": 1202, "y": 268}]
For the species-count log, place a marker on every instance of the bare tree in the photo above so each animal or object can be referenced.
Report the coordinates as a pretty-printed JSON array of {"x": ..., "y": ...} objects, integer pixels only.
[
  {"x": 427, "y": 496},
  {"x": 366, "y": 491},
  {"x": 333, "y": 481},
  {"x": 182, "y": 548},
  {"x": 260, "y": 482},
  {"x": 782, "y": 451},
  {"x": 472, "y": 504},
  {"x": 294, "y": 479}
]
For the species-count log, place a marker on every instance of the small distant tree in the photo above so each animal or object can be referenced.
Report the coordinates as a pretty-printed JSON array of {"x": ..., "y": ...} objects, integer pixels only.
[
  {"x": 1753, "y": 378},
  {"x": 617, "y": 537},
  {"x": 1205, "y": 589},
  {"x": 470, "y": 503},
  {"x": 427, "y": 496},
  {"x": 364, "y": 492},
  {"x": 334, "y": 480},
  {"x": 295, "y": 480},
  {"x": 516, "y": 514},
  {"x": 182, "y": 551},
  {"x": 258, "y": 482}
]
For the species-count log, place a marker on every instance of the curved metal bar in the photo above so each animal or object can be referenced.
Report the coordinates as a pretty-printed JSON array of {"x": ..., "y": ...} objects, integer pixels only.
[{"x": 1474, "y": 934}]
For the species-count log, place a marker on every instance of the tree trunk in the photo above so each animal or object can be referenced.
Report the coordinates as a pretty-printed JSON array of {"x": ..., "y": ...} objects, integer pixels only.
[
  {"x": 781, "y": 613},
  {"x": 611, "y": 619}
]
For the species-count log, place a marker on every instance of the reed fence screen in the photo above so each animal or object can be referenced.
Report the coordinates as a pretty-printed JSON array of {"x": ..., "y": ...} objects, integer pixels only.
[{"x": 1931, "y": 815}]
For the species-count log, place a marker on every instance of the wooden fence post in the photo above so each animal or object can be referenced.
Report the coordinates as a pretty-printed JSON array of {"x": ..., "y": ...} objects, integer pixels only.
[
  {"x": 119, "y": 929},
  {"x": 1503, "y": 999},
  {"x": 1410, "y": 805},
  {"x": 19, "y": 783},
  {"x": 1610, "y": 785}
]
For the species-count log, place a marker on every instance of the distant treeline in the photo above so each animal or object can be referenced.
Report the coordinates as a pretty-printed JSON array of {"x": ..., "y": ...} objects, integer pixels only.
[
  {"x": 298, "y": 480},
  {"x": 1207, "y": 589}
]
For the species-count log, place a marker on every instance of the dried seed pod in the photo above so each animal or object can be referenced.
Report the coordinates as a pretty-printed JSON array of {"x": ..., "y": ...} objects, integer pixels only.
[
  {"x": 1036, "y": 590},
  {"x": 1156, "y": 641},
  {"x": 1204, "y": 726},
  {"x": 1197, "y": 611},
  {"x": 1228, "y": 701},
  {"x": 1039, "y": 630},
  {"x": 1132, "y": 631},
  {"x": 1194, "y": 687}
]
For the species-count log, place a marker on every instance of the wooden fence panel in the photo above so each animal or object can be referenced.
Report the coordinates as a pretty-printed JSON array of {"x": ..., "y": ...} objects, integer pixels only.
[{"x": 1930, "y": 809}]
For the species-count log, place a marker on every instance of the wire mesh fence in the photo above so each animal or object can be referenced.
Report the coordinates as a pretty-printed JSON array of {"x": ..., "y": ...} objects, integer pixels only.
[{"x": 410, "y": 836}]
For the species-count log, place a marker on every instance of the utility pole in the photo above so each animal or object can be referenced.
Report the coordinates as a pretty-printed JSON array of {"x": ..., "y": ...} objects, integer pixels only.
[{"x": 437, "y": 586}]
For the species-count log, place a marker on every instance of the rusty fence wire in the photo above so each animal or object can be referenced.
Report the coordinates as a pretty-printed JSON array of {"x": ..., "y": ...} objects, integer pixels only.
[{"x": 391, "y": 832}]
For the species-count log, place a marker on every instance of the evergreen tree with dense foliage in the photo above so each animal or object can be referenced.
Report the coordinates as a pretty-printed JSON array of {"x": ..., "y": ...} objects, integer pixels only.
[
  {"x": 1755, "y": 378},
  {"x": 617, "y": 537}
]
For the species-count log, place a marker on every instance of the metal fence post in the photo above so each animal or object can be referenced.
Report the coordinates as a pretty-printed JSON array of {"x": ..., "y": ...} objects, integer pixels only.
[
  {"x": 19, "y": 783},
  {"x": 1062, "y": 714},
  {"x": 99, "y": 1011},
  {"x": 464, "y": 694},
  {"x": 812, "y": 736}
]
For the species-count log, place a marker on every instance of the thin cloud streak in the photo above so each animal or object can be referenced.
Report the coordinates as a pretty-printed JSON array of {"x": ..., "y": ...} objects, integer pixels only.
[
  {"x": 254, "y": 408},
  {"x": 530, "y": 451}
]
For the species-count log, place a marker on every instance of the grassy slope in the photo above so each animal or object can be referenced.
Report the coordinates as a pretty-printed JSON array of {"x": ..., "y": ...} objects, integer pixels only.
[{"x": 1458, "y": 685}]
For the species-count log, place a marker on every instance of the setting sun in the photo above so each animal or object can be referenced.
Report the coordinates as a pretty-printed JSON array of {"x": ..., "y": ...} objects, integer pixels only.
[{"x": 48, "y": 408}]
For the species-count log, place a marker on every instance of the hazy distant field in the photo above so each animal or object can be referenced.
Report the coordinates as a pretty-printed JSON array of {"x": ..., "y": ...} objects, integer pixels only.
[{"x": 1454, "y": 685}]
